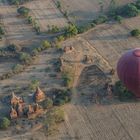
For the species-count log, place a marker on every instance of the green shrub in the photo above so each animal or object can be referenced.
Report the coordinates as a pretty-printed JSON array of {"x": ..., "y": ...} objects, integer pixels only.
[
  {"x": 14, "y": 48},
  {"x": 54, "y": 29},
  {"x": 53, "y": 117},
  {"x": 58, "y": 4},
  {"x": 65, "y": 14},
  {"x": 1, "y": 31},
  {"x": 100, "y": 19},
  {"x": 48, "y": 103},
  {"x": 123, "y": 93},
  {"x": 135, "y": 32},
  {"x": 129, "y": 10},
  {"x": 46, "y": 44},
  {"x": 24, "y": 57},
  {"x": 23, "y": 11},
  {"x": 67, "y": 78},
  {"x": 34, "y": 84},
  {"x": 62, "y": 97},
  {"x": 71, "y": 30},
  {"x": 37, "y": 29},
  {"x": 137, "y": 4},
  {"x": 16, "y": 68},
  {"x": 4, "y": 123},
  {"x": 118, "y": 18},
  {"x": 30, "y": 19}
]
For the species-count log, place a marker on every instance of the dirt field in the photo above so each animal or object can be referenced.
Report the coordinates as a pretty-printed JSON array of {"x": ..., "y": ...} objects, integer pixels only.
[
  {"x": 81, "y": 11},
  {"x": 86, "y": 117},
  {"x": 46, "y": 13}
]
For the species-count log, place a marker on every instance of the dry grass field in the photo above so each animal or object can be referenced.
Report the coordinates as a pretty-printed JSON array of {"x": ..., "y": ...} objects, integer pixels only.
[
  {"x": 109, "y": 119},
  {"x": 81, "y": 11},
  {"x": 46, "y": 14},
  {"x": 87, "y": 118}
]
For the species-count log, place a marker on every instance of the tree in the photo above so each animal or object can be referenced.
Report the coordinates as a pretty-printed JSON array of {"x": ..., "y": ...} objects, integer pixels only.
[
  {"x": 46, "y": 44},
  {"x": 100, "y": 19},
  {"x": 48, "y": 103},
  {"x": 71, "y": 30},
  {"x": 135, "y": 32},
  {"x": 4, "y": 123},
  {"x": 34, "y": 84},
  {"x": 123, "y": 93},
  {"x": 129, "y": 10},
  {"x": 118, "y": 18},
  {"x": 1, "y": 31},
  {"x": 30, "y": 19},
  {"x": 14, "y": 48},
  {"x": 112, "y": 5},
  {"x": 24, "y": 57},
  {"x": 23, "y": 11},
  {"x": 138, "y": 4},
  {"x": 17, "y": 68},
  {"x": 58, "y": 4}
]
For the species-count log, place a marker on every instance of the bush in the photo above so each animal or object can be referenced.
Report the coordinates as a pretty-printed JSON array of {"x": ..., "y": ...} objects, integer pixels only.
[
  {"x": 54, "y": 29},
  {"x": 4, "y": 123},
  {"x": 46, "y": 44},
  {"x": 122, "y": 92},
  {"x": 23, "y": 11},
  {"x": 67, "y": 78},
  {"x": 37, "y": 29},
  {"x": 48, "y": 103},
  {"x": 62, "y": 97},
  {"x": 16, "y": 68},
  {"x": 82, "y": 29},
  {"x": 30, "y": 19},
  {"x": 53, "y": 117},
  {"x": 34, "y": 84},
  {"x": 71, "y": 30},
  {"x": 137, "y": 4},
  {"x": 129, "y": 10},
  {"x": 118, "y": 18},
  {"x": 1, "y": 31},
  {"x": 14, "y": 48},
  {"x": 135, "y": 32},
  {"x": 25, "y": 57},
  {"x": 100, "y": 19},
  {"x": 58, "y": 4}
]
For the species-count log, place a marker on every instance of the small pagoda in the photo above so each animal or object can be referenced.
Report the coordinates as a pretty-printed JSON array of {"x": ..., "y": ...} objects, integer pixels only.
[
  {"x": 13, "y": 113},
  {"x": 15, "y": 100},
  {"x": 39, "y": 95}
]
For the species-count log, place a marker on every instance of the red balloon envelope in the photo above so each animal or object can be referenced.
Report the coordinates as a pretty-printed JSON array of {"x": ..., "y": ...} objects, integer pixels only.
[{"x": 128, "y": 70}]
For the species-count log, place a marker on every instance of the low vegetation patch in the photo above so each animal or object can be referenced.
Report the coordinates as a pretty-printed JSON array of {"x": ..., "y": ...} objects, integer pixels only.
[
  {"x": 54, "y": 117},
  {"x": 135, "y": 32},
  {"x": 122, "y": 92},
  {"x": 4, "y": 123},
  {"x": 23, "y": 11},
  {"x": 61, "y": 97}
]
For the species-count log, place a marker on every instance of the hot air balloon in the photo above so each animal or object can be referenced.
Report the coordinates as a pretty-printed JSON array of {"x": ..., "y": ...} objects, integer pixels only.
[{"x": 128, "y": 69}]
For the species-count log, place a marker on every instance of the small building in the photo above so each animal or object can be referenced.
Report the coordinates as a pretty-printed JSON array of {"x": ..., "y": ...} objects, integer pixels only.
[{"x": 39, "y": 95}]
